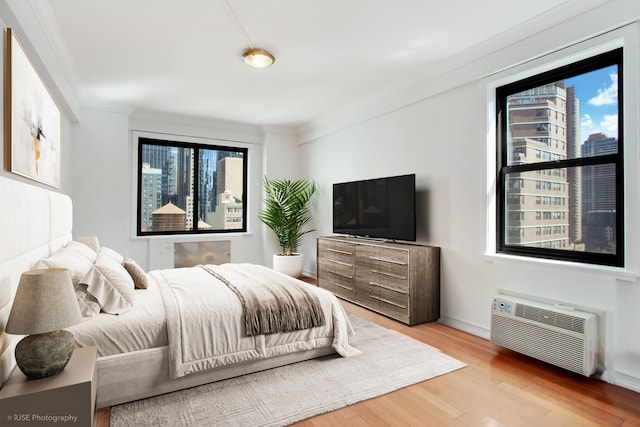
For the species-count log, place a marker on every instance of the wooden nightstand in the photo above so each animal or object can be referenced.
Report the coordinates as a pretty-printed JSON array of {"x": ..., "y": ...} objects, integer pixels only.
[{"x": 68, "y": 398}]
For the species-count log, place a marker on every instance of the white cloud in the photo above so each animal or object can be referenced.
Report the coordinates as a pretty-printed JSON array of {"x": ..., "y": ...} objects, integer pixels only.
[
  {"x": 607, "y": 96},
  {"x": 609, "y": 124}
]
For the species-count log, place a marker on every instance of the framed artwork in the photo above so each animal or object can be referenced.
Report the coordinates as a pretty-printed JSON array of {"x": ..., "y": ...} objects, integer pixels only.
[{"x": 33, "y": 120}]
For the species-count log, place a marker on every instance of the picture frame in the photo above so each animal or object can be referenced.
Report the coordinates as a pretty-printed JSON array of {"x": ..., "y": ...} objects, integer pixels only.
[{"x": 32, "y": 119}]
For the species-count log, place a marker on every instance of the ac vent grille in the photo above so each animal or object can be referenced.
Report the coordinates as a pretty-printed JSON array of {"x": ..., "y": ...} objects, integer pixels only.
[
  {"x": 560, "y": 320},
  {"x": 544, "y": 344},
  {"x": 563, "y": 337}
]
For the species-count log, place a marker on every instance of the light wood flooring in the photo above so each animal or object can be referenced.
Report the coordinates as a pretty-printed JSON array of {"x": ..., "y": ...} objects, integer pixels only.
[{"x": 497, "y": 388}]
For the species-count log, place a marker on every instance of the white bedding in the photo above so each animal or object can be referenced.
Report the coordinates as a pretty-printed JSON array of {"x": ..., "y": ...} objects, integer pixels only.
[
  {"x": 141, "y": 328},
  {"x": 205, "y": 324},
  {"x": 200, "y": 320}
]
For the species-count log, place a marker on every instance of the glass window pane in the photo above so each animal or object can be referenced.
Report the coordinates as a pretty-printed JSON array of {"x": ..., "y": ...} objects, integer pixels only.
[
  {"x": 221, "y": 189},
  {"x": 570, "y": 209},
  {"x": 167, "y": 188},
  {"x": 570, "y": 118}
]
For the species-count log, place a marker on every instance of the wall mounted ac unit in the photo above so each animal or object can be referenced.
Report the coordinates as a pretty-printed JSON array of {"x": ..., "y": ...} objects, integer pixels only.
[{"x": 555, "y": 334}]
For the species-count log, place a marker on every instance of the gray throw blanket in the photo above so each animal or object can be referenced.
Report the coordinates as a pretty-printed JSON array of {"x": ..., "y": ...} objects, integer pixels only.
[{"x": 272, "y": 302}]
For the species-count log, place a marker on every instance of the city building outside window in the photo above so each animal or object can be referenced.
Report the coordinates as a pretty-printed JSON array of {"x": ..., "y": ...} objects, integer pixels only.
[
  {"x": 560, "y": 159},
  {"x": 189, "y": 188}
]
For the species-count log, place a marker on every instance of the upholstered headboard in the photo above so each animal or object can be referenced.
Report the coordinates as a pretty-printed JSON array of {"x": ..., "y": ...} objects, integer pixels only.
[{"x": 35, "y": 223}]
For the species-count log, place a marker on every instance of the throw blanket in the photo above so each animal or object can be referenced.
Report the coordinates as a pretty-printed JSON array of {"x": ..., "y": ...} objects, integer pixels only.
[
  {"x": 205, "y": 324},
  {"x": 271, "y": 302}
]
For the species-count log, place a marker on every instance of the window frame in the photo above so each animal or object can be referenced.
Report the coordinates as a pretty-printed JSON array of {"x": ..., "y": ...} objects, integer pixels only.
[
  {"x": 195, "y": 146},
  {"x": 612, "y": 57}
]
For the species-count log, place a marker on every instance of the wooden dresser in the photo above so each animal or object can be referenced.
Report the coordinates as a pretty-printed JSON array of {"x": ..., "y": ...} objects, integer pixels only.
[{"x": 399, "y": 280}]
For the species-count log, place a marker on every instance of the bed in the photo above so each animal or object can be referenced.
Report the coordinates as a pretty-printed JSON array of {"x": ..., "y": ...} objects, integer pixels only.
[{"x": 169, "y": 329}]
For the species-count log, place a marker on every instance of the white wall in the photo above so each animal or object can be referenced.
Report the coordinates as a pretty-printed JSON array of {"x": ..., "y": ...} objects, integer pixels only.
[
  {"x": 442, "y": 133},
  {"x": 279, "y": 161}
]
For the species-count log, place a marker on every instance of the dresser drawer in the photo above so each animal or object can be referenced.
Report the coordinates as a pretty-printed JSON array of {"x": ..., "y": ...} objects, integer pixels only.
[
  {"x": 336, "y": 267},
  {"x": 337, "y": 254},
  {"x": 386, "y": 267},
  {"x": 343, "y": 288},
  {"x": 366, "y": 295},
  {"x": 394, "y": 298}
]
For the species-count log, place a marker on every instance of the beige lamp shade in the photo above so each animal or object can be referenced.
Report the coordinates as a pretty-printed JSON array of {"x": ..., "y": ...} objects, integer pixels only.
[{"x": 45, "y": 301}]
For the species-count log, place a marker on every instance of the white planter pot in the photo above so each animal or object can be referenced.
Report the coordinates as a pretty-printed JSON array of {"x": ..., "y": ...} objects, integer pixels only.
[{"x": 289, "y": 265}]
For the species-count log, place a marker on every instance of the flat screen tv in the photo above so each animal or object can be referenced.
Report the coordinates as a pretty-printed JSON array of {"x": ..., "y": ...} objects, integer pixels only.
[{"x": 376, "y": 208}]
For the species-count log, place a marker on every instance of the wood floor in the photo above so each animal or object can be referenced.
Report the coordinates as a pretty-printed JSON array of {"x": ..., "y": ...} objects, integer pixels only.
[{"x": 497, "y": 388}]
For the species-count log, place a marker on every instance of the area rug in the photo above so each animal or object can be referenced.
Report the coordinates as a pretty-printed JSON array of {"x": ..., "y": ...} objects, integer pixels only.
[{"x": 284, "y": 395}]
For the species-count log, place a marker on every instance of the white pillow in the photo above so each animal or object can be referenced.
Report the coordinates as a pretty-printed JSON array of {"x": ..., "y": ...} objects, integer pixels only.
[
  {"x": 91, "y": 242},
  {"x": 76, "y": 263},
  {"x": 82, "y": 249},
  {"x": 110, "y": 284},
  {"x": 111, "y": 253},
  {"x": 89, "y": 306}
]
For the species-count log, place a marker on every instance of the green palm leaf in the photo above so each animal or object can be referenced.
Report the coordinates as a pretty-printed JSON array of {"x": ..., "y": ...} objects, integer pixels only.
[{"x": 287, "y": 210}]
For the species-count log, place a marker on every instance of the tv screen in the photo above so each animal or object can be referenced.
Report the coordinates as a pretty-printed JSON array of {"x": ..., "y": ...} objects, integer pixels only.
[{"x": 377, "y": 208}]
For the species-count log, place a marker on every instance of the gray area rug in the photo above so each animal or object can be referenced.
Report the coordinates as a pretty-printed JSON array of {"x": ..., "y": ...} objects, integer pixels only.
[{"x": 281, "y": 396}]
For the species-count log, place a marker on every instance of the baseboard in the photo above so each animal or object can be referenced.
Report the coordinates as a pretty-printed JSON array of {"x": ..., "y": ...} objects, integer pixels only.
[
  {"x": 309, "y": 273},
  {"x": 622, "y": 380},
  {"x": 470, "y": 328}
]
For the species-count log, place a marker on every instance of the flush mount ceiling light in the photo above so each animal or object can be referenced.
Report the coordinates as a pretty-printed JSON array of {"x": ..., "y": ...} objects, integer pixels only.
[{"x": 257, "y": 58}]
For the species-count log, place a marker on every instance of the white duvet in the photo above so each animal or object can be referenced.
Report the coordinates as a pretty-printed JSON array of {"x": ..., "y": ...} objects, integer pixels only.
[{"x": 205, "y": 324}]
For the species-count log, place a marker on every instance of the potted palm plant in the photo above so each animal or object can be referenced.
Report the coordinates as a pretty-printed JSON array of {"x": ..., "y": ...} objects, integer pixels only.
[{"x": 287, "y": 211}]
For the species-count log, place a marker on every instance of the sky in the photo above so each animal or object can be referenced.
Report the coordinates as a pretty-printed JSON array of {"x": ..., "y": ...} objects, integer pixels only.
[{"x": 597, "y": 92}]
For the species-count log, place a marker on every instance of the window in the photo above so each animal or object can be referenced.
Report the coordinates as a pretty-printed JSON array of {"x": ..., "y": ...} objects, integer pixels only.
[
  {"x": 581, "y": 194},
  {"x": 187, "y": 188}
]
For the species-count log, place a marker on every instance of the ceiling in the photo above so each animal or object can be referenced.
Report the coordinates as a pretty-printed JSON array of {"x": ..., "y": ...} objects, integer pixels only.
[{"x": 184, "y": 57}]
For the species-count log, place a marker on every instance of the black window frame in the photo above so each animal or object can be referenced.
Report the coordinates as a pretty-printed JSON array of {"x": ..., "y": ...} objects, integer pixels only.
[
  {"x": 613, "y": 57},
  {"x": 142, "y": 140}
]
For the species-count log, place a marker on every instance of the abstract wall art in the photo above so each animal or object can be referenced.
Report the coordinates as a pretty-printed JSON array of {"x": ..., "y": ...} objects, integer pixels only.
[{"x": 33, "y": 119}]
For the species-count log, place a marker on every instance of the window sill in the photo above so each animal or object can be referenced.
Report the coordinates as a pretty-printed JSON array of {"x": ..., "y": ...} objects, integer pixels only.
[
  {"x": 195, "y": 237},
  {"x": 618, "y": 273}
]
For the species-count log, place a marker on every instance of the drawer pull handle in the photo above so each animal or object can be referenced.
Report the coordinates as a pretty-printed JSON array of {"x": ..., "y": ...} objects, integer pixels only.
[
  {"x": 343, "y": 287},
  {"x": 390, "y": 261},
  {"x": 388, "y": 288},
  {"x": 388, "y": 302},
  {"x": 346, "y": 276},
  {"x": 346, "y": 264},
  {"x": 339, "y": 251},
  {"x": 395, "y": 276}
]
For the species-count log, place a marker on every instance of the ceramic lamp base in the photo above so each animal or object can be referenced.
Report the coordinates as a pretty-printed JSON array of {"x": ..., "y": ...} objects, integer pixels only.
[{"x": 44, "y": 355}]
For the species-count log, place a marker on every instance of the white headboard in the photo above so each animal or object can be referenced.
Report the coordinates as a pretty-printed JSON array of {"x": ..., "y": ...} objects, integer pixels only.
[{"x": 35, "y": 223}]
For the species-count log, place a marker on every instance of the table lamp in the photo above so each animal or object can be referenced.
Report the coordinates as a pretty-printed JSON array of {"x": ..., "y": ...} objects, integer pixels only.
[{"x": 45, "y": 303}]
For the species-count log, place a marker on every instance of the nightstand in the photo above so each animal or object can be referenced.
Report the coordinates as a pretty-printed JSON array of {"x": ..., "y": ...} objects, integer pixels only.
[{"x": 68, "y": 398}]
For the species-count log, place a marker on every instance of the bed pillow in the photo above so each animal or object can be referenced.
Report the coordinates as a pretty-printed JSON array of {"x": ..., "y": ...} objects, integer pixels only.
[
  {"x": 110, "y": 284},
  {"x": 104, "y": 251},
  {"x": 91, "y": 242},
  {"x": 136, "y": 272},
  {"x": 73, "y": 261},
  {"x": 89, "y": 306},
  {"x": 82, "y": 249}
]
